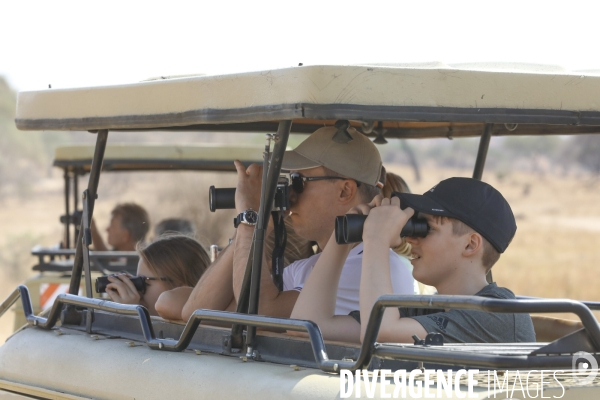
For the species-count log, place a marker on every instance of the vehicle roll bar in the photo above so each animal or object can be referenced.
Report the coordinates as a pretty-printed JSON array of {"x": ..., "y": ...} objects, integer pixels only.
[
  {"x": 249, "y": 294},
  {"x": 592, "y": 305},
  {"x": 92, "y": 190},
  {"x": 369, "y": 346},
  {"x": 484, "y": 144},
  {"x": 472, "y": 303}
]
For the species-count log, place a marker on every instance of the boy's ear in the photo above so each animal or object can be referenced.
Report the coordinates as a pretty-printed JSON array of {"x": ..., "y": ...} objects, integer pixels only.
[
  {"x": 474, "y": 244},
  {"x": 348, "y": 191}
]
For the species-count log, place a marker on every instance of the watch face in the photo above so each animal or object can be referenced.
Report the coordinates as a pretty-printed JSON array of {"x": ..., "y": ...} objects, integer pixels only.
[{"x": 251, "y": 217}]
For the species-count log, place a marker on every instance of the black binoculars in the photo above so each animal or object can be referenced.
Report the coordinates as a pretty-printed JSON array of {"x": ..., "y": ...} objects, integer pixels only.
[
  {"x": 349, "y": 227},
  {"x": 221, "y": 199},
  {"x": 138, "y": 281}
]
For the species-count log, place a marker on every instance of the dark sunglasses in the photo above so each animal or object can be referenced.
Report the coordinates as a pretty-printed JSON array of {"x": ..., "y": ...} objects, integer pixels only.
[{"x": 298, "y": 180}]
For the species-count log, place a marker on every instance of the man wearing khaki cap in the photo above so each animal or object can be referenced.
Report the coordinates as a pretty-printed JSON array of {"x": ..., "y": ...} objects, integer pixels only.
[{"x": 333, "y": 170}]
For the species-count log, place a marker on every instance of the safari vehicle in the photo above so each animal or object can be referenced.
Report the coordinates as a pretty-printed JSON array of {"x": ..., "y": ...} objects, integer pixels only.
[
  {"x": 91, "y": 348},
  {"x": 55, "y": 264}
]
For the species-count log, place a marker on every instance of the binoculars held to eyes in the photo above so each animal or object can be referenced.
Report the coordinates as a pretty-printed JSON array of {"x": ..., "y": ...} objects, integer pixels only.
[
  {"x": 349, "y": 227},
  {"x": 138, "y": 281},
  {"x": 220, "y": 199}
]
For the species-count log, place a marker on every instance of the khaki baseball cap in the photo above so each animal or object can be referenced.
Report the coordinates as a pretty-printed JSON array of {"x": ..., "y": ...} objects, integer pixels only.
[{"x": 357, "y": 159}]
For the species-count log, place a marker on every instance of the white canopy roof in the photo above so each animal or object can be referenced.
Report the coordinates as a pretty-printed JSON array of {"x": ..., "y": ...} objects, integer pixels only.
[
  {"x": 435, "y": 92},
  {"x": 131, "y": 157}
]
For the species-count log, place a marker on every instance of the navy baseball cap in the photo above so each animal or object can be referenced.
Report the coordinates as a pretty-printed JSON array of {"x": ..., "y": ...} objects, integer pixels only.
[{"x": 471, "y": 201}]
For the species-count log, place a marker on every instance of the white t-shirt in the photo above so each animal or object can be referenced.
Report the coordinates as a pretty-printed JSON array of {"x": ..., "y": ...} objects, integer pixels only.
[{"x": 295, "y": 274}]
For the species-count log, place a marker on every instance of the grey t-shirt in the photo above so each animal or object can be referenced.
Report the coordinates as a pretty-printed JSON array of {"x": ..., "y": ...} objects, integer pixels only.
[{"x": 472, "y": 326}]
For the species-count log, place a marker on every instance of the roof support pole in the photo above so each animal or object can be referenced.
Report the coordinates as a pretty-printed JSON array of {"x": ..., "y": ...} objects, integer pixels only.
[
  {"x": 266, "y": 204},
  {"x": 92, "y": 189},
  {"x": 67, "y": 238},
  {"x": 75, "y": 200},
  {"x": 75, "y": 190},
  {"x": 484, "y": 144}
]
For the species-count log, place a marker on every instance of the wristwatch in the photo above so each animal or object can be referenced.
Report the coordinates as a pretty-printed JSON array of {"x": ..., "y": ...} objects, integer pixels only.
[{"x": 248, "y": 217}]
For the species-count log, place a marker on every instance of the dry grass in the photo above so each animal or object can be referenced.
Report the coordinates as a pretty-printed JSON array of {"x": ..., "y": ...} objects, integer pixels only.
[{"x": 554, "y": 254}]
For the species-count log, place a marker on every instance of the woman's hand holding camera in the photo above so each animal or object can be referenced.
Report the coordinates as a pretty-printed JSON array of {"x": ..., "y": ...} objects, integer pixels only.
[{"x": 122, "y": 290}]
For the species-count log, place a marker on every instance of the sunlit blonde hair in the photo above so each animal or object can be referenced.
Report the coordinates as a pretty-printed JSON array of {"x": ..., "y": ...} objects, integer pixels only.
[{"x": 395, "y": 183}]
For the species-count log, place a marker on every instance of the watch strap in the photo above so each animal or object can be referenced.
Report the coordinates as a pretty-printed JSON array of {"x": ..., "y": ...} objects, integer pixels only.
[{"x": 241, "y": 219}]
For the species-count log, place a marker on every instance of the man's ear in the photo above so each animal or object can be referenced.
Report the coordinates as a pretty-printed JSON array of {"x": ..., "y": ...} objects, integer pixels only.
[
  {"x": 348, "y": 191},
  {"x": 473, "y": 245}
]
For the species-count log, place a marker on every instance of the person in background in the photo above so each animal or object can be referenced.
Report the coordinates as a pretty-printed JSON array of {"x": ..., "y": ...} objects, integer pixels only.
[
  {"x": 129, "y": 224},
  {"x": 169, "y": 262}
]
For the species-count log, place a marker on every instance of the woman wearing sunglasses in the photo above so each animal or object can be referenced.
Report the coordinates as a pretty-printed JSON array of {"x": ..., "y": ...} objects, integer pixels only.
[{"x": 170, "y": 261}]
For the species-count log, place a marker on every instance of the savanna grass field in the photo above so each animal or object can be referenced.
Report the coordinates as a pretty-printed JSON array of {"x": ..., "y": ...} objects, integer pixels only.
[{"x": 555, "y": 253}]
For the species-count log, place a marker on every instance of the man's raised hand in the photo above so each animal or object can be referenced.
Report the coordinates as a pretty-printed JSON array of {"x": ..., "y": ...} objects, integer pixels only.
[{"x": 247, "y": 193}]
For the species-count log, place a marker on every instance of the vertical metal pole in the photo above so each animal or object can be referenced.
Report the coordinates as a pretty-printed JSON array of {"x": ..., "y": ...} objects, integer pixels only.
[
  {"x": 484, "y": 144},
  {"x": 242, "y": 306},
  {"x": 266, "y": 204},
  {"x": 75, "y": 202},
  {"x": 237, "y": 331},
  {"x": 87, "y": 240},
  {"x": 75, "y": 190},
  {"x": 67, "y": 243},
  {"x": 92, "y": 193}
]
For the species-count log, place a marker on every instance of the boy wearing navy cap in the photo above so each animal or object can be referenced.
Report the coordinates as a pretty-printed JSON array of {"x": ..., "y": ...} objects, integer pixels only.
[{"x": 471, "y": 224}]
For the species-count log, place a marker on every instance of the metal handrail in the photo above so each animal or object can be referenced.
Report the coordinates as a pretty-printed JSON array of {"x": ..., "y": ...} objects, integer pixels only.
[
  {"x": 70, "y": 299},
  {"x": 592, "y": 305},
  {"x": 437, "y": 355},
  {"x": 260, "y": 321},
  {"x": 473, "y": 303},
  {"x": 369, "y": 346},
  {"x": 41, "y": 251}
]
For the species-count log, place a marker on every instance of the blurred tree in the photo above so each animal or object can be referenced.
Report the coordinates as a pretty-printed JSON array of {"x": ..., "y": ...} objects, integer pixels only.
[
  {"x": 527, "y": 146},
  {"x": 399, "y": 151},
  {"x": 584, "y": 150},
  {"x": 26, "y": 156},
  {"x": 455, "y": 153},
  {"x": 412, "y": 159},
  {"x": 533, "y": 150}
]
